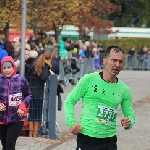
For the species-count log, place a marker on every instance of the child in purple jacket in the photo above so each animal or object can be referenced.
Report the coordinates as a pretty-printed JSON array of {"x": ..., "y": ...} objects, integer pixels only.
[{"x": 15, "y": 96}]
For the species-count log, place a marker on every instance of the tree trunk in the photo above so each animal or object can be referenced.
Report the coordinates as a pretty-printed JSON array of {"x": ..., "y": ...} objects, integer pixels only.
[
  {"x": 81, "y": 31},
  {"x": 57, "y": 33},
  {"x": 81, "y": 36},
  {"x": 35, "y": 30},
  {"x": 6, "y": 31}
]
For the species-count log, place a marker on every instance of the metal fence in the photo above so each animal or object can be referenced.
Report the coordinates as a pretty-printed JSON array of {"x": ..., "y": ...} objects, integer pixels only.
[
  {"x": 85, "y": 65},
  {"x": 140, "y": 62},
  {"x": 136, "y": 62}
]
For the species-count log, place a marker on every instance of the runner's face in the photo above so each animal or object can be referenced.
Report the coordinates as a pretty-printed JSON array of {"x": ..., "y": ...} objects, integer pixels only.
[
  {"x": 113, "y": 63},
  {"x": 8, "y": 71}
]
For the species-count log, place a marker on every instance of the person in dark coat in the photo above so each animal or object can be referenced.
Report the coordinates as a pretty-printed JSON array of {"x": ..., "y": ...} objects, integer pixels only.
[
  {"x": 130, "y": 55},
  {"x": 37, "y": 75},
  {"x": 140, "y": 58},
  {"x": 8, "y": 46}
]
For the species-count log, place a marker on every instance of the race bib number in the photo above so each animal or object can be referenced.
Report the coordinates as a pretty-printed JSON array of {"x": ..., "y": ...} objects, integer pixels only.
[
  {"x": 106, "y": 115},
  {"x": 15, "y": 99}
]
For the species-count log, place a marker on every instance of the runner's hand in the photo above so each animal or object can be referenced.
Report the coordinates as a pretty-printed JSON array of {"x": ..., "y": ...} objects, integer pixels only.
[
  {"x": 20, "y": 112},
  {"x": 2, "y": 107},
  {"x": 125, "y": 122},
  {"x": 75, "y": 129}
]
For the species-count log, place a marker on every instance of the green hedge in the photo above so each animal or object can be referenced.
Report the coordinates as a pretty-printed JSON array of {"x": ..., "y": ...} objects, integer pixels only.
[{"x": 126, "y": 43}]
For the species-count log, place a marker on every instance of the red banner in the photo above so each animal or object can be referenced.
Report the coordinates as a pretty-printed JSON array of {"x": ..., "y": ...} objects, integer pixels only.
[{"x": 15, "y": 35}]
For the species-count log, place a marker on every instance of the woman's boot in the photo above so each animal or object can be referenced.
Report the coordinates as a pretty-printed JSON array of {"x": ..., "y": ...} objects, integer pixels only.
[
  {"x": 31, "y": 128},
  {"x": 36, "y": 128}
]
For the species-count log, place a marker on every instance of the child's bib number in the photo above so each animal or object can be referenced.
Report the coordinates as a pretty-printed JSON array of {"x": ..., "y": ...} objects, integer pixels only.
[
  {"x": 106, "y": 115},
  {"x": 15, "y": 99}
]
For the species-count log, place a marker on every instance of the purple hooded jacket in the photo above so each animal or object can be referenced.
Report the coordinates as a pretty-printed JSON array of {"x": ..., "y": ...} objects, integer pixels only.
[{"x": 16, "y": 84}]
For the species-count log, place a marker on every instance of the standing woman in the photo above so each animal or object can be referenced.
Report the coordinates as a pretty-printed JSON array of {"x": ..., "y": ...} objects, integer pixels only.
[
  {"x": 15, "y": 96},
  {"x": 37, "y": 74}
]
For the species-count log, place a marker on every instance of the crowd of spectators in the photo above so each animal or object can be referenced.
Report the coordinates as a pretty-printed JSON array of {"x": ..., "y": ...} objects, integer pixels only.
[{"x": 41, "y": 60}]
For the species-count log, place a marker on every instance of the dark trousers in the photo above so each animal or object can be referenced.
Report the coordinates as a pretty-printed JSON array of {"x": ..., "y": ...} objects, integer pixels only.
[
  {"x": 59, "y": 105},
  {"x": 85, "y": 142},
  {"x": 9, "y": 134},
  {"x": 75, "y": 69}
]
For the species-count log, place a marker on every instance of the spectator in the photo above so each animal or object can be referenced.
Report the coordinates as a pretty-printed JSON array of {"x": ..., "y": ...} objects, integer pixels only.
[
  {"x": 74, "y": 64},
  {"x": 17, "y": 60},
  {"x": 101, "y": 54},
  {"x": 41, "y": 49},
  {"x": 55, "y": 70},
  {"x": 17, "y": 47},
  {"x": 8, "y": 46},
  {"x": 63, "y": 53},
  {"x": 140, "y": 58},
  {"x": 3, "y": 52},
  {"x": 33, "y": 54},
  {"x": 34, "y": 47},
  {"x": 96, "y": 59},
  {"x": 88, "y": 52},
  {"x": 38, "y": 73},
  {"x": 130, "y": 55},
  {"x": 52, "y": 41},
  {"x": 81, "y": 51},
  {"x": 145, "y": 58},
  {"x": 32, "y": 40}
]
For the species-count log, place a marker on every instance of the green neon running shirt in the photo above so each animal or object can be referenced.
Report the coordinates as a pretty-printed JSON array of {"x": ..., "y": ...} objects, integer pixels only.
[{"x": 100, "y": 101}]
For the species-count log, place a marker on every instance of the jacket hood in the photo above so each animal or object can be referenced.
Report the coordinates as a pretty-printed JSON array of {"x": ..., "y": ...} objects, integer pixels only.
[
  {"x": 9, "y": 59},
  {"x": 33, "y": 54}
]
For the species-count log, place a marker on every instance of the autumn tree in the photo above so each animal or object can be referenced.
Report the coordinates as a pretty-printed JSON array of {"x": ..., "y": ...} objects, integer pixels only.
[
  {"x": 45, "y": 14},
  {"x": 54, "y": 16},
  {"x": 10, "y": 15},
  {"x": 84, "y": 14},
  {"x": 94, "y": 16},
  {"x": 133, "y": 13},
  {"x": 33, "y": 15}
]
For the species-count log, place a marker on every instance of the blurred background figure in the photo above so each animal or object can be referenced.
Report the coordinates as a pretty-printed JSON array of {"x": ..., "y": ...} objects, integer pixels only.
[
  {"x": 96, "y": 62},
  {"x": 130, "y": 55},
  {"x": 8, "y": 46},
  {"x": 3, "y": 52}
]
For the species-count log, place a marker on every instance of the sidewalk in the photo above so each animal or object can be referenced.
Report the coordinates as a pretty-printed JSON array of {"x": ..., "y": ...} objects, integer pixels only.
[{"x": 135, "y": 139}]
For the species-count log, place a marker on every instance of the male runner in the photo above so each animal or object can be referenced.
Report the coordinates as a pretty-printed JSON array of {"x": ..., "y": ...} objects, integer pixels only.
[{"x": 101, "y": 95}]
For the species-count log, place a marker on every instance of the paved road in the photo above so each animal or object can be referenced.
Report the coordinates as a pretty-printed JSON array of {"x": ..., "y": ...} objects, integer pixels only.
[
  {"x": 135, "y": 139},
  {"x": 138, "y": 137}
]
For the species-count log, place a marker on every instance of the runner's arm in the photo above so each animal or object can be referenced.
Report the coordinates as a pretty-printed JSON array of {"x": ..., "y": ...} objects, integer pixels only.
[
  {"x": 75, "y": 95},
  {"x": 127, "y": 108},
  {"x": 26, "y": 96}
]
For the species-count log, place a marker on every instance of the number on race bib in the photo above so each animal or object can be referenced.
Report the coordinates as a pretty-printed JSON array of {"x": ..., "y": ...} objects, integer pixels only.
[
  {"x": 15, "y": 99},
  {"x": 106, "y": 115}
]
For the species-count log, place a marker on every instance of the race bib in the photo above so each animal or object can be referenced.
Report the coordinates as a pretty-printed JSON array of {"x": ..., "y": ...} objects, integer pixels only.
[
  {"x": 15, "y": 99},
  {"x": 106, "y": 115}
]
